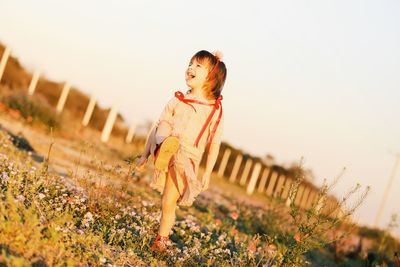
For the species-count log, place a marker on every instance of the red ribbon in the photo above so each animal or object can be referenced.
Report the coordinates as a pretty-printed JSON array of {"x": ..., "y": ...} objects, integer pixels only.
[{"x": 215, "y": 105}]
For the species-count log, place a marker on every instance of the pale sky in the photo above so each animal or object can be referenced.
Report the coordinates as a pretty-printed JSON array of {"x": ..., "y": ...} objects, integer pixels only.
[{"x": 318, "y": 79}]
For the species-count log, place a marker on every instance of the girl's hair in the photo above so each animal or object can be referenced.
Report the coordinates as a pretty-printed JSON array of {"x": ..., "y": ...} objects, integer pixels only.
[{"x": 216, "y": 75}]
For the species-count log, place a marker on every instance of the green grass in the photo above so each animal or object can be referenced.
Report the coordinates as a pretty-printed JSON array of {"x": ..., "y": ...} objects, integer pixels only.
[{"x": 81, "y": 220}]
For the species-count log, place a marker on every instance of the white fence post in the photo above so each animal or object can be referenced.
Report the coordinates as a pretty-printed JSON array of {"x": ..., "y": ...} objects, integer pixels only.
[
  {"x": 254, "y": 178},
  {"x": 105, "y": 135},
  {"x": 246, "y": 172},
  {"x": 89, "y": 111},
  {"x": 236, "y": 167},
  {"x": 263, "y": 181},
  {"x": 33, "y": 83},
  {"x": 279, "y": 186},
  {"x": 3, "y": 62},
  {"x": 299, "y": 195},
  {"x": 131, "y": 132},
  {"x": 63, "y": 97},
  {"x": 224, "y": 162},
  {"x": 286, "y": 188},
  {"x": 304, "y": 198},
  {"x": 271, "y": 183},
  {"x": 310, "y": 199}
]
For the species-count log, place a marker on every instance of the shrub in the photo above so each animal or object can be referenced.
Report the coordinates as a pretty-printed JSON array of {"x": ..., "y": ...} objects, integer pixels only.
[{"x": 32, "y": 108}]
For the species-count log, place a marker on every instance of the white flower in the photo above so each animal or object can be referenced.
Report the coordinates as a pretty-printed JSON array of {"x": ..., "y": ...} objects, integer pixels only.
[
  {"x": 4, "y": 177},
  {"x": 20, "y": 198},
  {"x": 103, "y": 260},
  {"x": 89, "y": 216},
  {"x": 41, "y": 195}
]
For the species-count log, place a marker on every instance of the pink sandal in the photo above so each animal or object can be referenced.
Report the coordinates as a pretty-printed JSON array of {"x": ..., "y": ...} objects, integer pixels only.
[{"x": 160, "y": 244}]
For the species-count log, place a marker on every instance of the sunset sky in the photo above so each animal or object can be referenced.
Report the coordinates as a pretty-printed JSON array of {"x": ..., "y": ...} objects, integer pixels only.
[{"x": 318, "y": 79}]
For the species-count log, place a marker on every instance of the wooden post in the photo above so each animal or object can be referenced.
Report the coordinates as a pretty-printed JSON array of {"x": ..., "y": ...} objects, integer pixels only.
[
  {"x": 311, "y": 198},
  {"x": 33, "y": 83},
  {"x": 279, "y": 186},
  {"x": 263, "y": 181},
  {"x": 254, "y": 178},
  {"x": 299, "y": 195},
  {"x": 105, "y": 135},
  {"x": 246, "y": 172},
  {"x": 63, "y": 97},
  {"x": 3, "y": 62},
  {"x": 271, "y": 183},
  {"x": 224, "y": 162},
  {"x": 286, "y": 189},
  {"x": 89, "y": 111},
  {"x": 236, "y": 167},
  {"x": 131, "y": 132},
  {"x": 304, "y": 198}
]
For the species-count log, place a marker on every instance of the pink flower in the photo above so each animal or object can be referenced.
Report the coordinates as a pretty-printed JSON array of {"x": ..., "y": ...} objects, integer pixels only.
[
  {"x": 218, "y": 222},
  {"x": 234, "y": 215},
  {"x": 234, "y": 231},
  {"x": 297, "y": 237},
  {"x": 252, "y": 248}
]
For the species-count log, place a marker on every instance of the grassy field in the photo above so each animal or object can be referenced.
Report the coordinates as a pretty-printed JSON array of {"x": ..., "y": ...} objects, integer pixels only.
[{"x": 69, "y": 200}]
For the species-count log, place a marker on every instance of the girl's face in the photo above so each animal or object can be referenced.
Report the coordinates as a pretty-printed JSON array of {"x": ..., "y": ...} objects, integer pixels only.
[{"x": 196, "y": 74}]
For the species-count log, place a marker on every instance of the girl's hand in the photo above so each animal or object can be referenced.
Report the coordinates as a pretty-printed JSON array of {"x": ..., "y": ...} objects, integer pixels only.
[
  {"x": 140, "y": 163},
  {"x": 205, "y": 181}
]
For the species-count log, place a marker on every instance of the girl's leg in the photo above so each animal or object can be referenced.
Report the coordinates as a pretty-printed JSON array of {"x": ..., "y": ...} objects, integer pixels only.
[{"x": 168, "y": 204}]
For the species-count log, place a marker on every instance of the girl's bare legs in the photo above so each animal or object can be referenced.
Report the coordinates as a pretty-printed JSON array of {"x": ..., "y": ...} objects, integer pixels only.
[{"x": 168, "y": 205}]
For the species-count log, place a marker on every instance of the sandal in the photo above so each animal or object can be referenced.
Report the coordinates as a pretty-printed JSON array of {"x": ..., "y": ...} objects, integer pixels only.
[
  {"x": 160, "y": 244},
  {"x": 165, "y": 152}
]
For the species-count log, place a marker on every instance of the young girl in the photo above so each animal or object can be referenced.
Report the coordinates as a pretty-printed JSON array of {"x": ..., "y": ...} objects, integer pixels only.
[{"x": 189, "y": 124}]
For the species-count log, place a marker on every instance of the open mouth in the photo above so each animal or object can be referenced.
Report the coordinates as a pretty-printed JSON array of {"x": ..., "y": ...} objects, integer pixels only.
[{"x": 191, "y": 76}]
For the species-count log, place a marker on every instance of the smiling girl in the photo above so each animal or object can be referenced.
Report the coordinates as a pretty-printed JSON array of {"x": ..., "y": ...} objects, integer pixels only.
[{"x": 189, "y": 124}]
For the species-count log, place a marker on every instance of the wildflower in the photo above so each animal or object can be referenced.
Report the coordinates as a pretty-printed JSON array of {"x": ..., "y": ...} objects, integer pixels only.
[
  {"x": 270, "y": 250},
  {"x": 234, "y": 231},
  {"x": 103, "y": 260},
  {"x": 234, "y": 215},
  {"x": 4, "y": 177},
  {"x": 89, "y": 216},
  {"x": 218, "y": 222},
  {"x": 252, "y": 248},
  {"x": 41, "y": 195},
  {"x": 20, "y": 198},
  {"x": 297, "y": 237}
]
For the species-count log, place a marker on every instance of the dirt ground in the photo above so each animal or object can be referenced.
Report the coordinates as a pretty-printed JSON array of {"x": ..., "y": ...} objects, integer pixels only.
[{"x": 77, "y": 151}]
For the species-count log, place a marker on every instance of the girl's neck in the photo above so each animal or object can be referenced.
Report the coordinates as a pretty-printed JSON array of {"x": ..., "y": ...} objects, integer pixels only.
[{"x": 198, "y": 93}]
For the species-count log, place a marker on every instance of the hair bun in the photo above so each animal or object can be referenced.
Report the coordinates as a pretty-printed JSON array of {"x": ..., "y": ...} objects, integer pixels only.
[{"x": 218, "y": 55}]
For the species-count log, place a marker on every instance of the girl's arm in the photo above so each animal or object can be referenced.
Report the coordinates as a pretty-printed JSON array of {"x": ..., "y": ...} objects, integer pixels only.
[
  {"x": 166, "y": 116},
  {"x": 212, "y": 153},
  {"x": 146, "y": 151}
]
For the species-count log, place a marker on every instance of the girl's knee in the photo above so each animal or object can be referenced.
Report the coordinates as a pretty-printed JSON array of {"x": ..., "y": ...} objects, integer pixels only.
[{"x": 168, "y": 203}]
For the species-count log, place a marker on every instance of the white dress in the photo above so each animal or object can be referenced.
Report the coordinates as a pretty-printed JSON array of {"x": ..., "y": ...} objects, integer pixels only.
[{"x": 186, "y": 121}]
